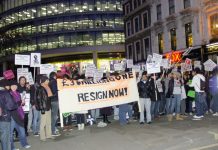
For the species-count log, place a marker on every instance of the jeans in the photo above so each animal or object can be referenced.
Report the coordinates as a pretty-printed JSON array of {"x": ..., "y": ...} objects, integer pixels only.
[
  {"x": 145, "y": 104},
  {"x": 30, "y": 119},
  {"x": 162, "y": 103},
  {"x": 54, "y": 115},
  {"x": 175, "y": 104},
  {"x": 200, "y": 99},
  {"x": 123, "y": 109},
  {"x": 183, "y": 106},
  {"x": 80, "y": 118},
  {"x": 36, "y": 120},
  {"x": 155, "y": 105},
  {"x": 95, "y": 113},
  {"x": 21, "y": 134},
  {"x": 5, "y": 135},
  {"x": 168, "y": 105}
]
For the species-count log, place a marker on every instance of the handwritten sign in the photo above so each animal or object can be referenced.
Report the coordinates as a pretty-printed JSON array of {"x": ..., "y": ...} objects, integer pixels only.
[{"x": 22, "y": 60}]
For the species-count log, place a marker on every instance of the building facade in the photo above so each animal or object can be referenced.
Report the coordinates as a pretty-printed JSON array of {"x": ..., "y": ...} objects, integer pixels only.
[
  {"x": 176, "y": 25},
  {"x": 61, "y": 30}
]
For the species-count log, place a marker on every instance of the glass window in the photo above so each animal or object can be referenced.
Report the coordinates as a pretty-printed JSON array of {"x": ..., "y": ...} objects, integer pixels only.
[
  {"x": 187, "y": 4},
  {"x": 146, "y": 47},
  {"x": 188, "y": 35},
  {"x": 145, "y": 20},
  {"x": 130, "y": 52},
  {"x": 214, "y": 25},
  {"x": 160, "y": 43},
  {"x": 136, "y": 24},
  {"x": 171, "y": 7},
  {"x": 159, "y": 12},
  {"x": 128, "y": 29},
  {"x": 173, "y": 39},
  {"x": 127, "y": 9},
  {"x": 138, "y": 50}
]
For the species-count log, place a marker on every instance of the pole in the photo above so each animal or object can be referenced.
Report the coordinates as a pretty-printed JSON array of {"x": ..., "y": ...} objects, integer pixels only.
[{"x": 34, "y": 74}]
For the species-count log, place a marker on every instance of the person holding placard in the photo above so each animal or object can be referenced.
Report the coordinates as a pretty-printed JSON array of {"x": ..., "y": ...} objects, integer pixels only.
[
  {"x": 17, "y": 119},
  {"x": 23, "y": 89},
  {"x": 145, "y": 101}
]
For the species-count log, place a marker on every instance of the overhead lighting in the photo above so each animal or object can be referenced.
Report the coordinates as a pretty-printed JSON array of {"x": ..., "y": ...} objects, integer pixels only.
[
  {"x": 76, "y": 8},
  {"x": 33, "y": 10},
  {"x": 85, "y": 7},
  {"x": 62, "y": 5},
  {"x": 67, "y": 9},
  {"x": 53, "y": 7},
  {"x": 216, "y": 25},
  {"x": 43, "y": 8},
  {"x": 49, "y": 12},
  {"x": 55, "y": 10}
]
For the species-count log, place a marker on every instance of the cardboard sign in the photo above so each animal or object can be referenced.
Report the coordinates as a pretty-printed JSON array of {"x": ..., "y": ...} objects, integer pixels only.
[
  {"x": 209, "y": 65},
  {"x": 22, "y": 72},
  {"x": 165, "y": 63},
  {"x": 30, "y": 78},
  {"x": 153, "y": 68},
  {"x": 75, "y": 96},
  {"x": 8, "y": 74},
  {"x": 90, "y": 70},
  {"x": 136, "y": 68},
  {"x": 157, "y": 58},
  {"x": 26, "y": 98},
  {"x": 118, "y": 67},
  {"x": 22, "y": 60},
  {"x": 98, "y": 75},
  {"x": 46, "y": 69},
  {"x": 35, "y": 60},
  {"x": 197, "y": 64},
  {"x": 129, "y": 63},
  {"x": 149, "y": 59}
]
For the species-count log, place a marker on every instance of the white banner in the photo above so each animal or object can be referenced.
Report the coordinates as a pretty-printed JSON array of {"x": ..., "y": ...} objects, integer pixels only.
[
  {"x": 35, "y": 60},
  {"x": 165, "y": 63},
  {"x": 22, "y": 72},
  {"x": 26, "y": 98},
  {"x": 118, "y": 67},
  {"x": 23, "y": 60},
  {"x": 157, "y": 58},
  {"x": 76, "y": 96}
]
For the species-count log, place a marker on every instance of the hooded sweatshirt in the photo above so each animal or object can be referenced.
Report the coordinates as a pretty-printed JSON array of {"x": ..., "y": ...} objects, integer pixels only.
[{"x": 196, "y": 82}]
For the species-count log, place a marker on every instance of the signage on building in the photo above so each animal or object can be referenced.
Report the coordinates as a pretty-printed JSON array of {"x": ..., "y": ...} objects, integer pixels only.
[{"x": 174, "y": 57}]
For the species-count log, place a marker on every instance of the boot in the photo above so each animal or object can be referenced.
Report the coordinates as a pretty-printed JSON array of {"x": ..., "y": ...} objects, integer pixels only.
[
  {"x": 106, "y": 119},
  {"x": 82, "y": 126},
  {"x": 79, "y": 126},
  {"x": 178, "y": 117},
  {"x": 170, "y": 117}
]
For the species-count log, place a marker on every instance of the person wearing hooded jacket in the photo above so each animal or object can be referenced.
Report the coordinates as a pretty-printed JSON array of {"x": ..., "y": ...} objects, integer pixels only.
[{"x": 7, "y": 104}]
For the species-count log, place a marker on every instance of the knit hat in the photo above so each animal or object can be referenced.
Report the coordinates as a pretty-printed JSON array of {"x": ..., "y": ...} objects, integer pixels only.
[
  {"x": 43, "y": 79},
  {"x": 13, "y": 82},
  {"x": 4, "y": 82}
]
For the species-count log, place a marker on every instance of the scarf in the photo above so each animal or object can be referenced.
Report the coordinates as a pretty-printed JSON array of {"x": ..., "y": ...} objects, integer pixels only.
[{"x": 48, "y": 90}]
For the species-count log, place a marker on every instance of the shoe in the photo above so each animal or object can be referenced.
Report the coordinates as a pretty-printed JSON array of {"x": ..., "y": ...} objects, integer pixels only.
[
  {"x": 178, "y": 117},
  {"x": 190, "y": 114},
  {"x": 215, "y": 114},
  {"x": 36, "y": 134},
  {"x": 55, "y": 134},
  {"x": 101, "y": 124},
  {"x": 53, "y": 138},
  {"x": 142, "y": 123},
  {"x": 44, "y": 140},
  {"x": 149, "y": 122},
  {"x": 197, "y": 117},
  {"x": 184, "y": 115},
  {"x": 211, "y": 111},
  {"x": 207, "y": 112},
  {"x": 27, "y": 146},
  {"x": 170, "y": 118}
]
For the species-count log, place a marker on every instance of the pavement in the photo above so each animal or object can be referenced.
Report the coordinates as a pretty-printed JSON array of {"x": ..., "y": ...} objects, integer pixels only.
[{"x": 160, "y": 135}]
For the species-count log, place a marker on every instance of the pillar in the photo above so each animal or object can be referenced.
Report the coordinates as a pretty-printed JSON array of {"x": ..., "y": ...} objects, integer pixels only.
[{"x": 95, "y": 58}]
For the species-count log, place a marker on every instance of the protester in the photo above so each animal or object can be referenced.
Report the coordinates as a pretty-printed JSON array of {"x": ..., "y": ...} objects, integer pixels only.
[
  {"x": 155, "y": 97},
  {"x": 35, "y": 107},
  {"x": 200, "y": 97},
  {"x": 213, "y": 86},
  {"x": 44, "y": 95},
  {"x": 23, "y": 89},
  {"x": 54, "y": 103},
  {"x": 17, "y": 119},
  {"x": 7, "y": 105},
  {"x": 145, "y": 101},
  {"x": 168, "y": 89}
]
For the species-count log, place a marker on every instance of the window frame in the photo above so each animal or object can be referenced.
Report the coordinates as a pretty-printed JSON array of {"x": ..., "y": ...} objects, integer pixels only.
[{"x": 148, "y": 21}]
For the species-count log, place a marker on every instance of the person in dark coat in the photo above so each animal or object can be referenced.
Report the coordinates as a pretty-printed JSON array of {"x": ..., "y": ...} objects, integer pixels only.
[{"x": 7, "y": 104}]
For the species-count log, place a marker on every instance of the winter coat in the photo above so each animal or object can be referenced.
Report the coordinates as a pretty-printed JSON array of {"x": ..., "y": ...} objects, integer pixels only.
[
  {"x": 143, "y": 89},
  {"x": 42, "y": 99}
]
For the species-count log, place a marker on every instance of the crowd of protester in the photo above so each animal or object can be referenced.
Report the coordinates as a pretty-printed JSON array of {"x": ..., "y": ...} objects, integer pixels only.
[{"x": 169, "y": 94}]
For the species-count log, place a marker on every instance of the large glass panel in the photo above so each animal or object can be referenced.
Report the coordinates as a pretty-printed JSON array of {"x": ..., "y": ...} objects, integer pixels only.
[
  {"x": 173, "y": 39},
  {"x": 188, "y": 35}
]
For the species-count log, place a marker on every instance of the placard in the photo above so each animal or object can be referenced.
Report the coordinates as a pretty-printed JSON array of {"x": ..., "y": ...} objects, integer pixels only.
[
  {"x": 165, "y": 63},
  {"x": 157, "y": 58},
  {"x": 35, "y": 60},
  {"x": 129, "y": 63},
  {"x": 197, "y": 64},
  {"x": 153, "y": 68},
  {"x": 22, "y": 72},
  {"x": 46, "y": 69},
  {"x": 9, "y": 74},
  {"x": 118, "y": 67},
  {"x": 23, "y": 60},
  {"x": 136, "y": 68},
  {"x": 90, "y": 70},
  {"x": 26, "y": 98}
]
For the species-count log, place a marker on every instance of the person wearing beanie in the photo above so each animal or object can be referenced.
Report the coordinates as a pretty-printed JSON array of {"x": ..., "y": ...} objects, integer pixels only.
[
  {"x": 43, "y": 99},
  {"x": 7, "y": 104},
  {"x": 17, "y": 117}
]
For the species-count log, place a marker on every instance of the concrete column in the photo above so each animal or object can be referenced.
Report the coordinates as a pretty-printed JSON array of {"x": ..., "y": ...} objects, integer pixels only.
[{"x": 95, "y": 58}]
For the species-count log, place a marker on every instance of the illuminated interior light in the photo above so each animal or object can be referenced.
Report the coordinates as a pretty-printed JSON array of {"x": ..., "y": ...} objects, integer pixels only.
[
  {"x": 62, "y": 5},
  {"x": 85, "y": 7},
  {"x": 43, "y": 8},
  {"x": 33, "y": 10},
  {"x": 53, "y": 7}
]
